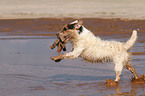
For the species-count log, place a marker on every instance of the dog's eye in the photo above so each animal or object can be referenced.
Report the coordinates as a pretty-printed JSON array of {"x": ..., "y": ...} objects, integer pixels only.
[
  {"x": 64, "y": 29},
  {"x": 71, "y": 26}
]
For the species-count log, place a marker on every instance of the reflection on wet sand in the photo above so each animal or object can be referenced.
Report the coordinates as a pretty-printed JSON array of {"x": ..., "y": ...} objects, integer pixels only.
[
  {"x": 95, "y": 87},
  {"x": 133, "y": 92}
]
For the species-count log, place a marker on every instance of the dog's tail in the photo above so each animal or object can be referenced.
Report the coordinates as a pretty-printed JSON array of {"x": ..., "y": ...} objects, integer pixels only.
[{"x": 131, "y": 41}]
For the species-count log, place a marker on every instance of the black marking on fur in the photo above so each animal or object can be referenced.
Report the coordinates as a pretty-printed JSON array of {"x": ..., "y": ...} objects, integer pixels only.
[
  {"x": 80, "y": 30},
  {"x": 64, "y": 29},
  {"x": 70, "y": 26}
]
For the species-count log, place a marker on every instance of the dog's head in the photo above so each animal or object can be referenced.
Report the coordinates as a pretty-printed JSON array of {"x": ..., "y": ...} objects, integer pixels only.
[{"x": 68, "y": 33}]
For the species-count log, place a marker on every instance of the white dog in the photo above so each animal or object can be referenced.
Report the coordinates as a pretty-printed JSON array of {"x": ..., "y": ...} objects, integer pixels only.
[{"x": 93, "y": 49}]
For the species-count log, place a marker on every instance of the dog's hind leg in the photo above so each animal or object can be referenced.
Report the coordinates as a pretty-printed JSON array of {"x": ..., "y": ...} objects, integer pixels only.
[
  {"x": 118, "y": 70},
  {"x": 119, "y": 61},
  {"x": 131, "y": 69}
]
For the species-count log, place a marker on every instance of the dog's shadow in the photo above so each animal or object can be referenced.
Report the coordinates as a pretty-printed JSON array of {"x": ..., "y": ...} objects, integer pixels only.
[{"x": 67, "y": 77}]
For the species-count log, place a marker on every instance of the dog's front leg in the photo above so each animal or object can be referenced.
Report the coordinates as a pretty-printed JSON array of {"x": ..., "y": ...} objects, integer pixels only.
[
  {"x": 58, "y": 58},
  {"x": 70, "y": 55}
]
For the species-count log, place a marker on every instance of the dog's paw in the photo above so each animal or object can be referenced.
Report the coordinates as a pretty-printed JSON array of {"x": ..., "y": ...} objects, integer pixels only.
[
  {"x": 56, "y": 59},
  {"x": 111, "y": 82}
]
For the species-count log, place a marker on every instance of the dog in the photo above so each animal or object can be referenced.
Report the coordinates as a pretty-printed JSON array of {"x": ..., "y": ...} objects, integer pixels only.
[{"x": 93, "y": 49}]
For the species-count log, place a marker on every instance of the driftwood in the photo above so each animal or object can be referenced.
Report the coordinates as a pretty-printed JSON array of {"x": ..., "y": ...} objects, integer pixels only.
[{"x": 60, "y": 45}]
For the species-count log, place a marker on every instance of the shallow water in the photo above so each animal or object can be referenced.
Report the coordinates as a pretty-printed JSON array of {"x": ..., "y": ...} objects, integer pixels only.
[{"x": 27, "y": 70}]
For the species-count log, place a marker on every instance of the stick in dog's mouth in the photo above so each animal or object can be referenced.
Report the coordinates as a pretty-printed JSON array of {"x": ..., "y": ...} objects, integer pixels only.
[{"x": 60, "y": 42}]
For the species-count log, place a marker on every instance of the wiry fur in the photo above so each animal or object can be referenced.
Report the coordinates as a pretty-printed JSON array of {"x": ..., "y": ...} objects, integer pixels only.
[{"x": 94, "y": 49}]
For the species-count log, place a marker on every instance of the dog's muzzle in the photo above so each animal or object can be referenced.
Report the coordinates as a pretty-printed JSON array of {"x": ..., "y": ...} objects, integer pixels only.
[{"x": 60, "y": 42}]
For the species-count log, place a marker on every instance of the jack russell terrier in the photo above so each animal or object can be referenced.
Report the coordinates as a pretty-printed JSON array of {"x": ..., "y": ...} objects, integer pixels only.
[{"x": 93, "y": 49}]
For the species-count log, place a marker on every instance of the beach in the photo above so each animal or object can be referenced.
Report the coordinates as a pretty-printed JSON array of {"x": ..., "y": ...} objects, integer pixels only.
[
  {"x": 128, "y": 9},
  {"x": 28, "y": 28}
]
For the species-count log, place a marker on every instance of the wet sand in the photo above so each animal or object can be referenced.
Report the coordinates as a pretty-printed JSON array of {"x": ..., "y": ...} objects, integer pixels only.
[
  {"x": 117, "y": 28},
  {"x": 27, "y": 70}
]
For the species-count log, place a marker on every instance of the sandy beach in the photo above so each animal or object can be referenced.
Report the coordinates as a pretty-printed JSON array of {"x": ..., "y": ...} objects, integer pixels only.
[
  {"x": 128, "y": 9},
  {"x": 28, "y": 28}
]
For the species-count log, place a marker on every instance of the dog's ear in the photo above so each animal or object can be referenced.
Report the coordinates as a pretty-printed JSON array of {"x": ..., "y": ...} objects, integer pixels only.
[
  {"x": 78, "y": 24},
  {"x": 74, "y": 25}
]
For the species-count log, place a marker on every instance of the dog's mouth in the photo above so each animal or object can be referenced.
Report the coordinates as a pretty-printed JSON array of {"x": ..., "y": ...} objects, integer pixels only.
[{"x": 60, "y": 43}]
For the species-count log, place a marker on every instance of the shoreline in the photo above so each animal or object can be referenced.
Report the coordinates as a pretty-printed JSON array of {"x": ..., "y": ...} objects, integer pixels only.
[{"x": 49, "y": 26}]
